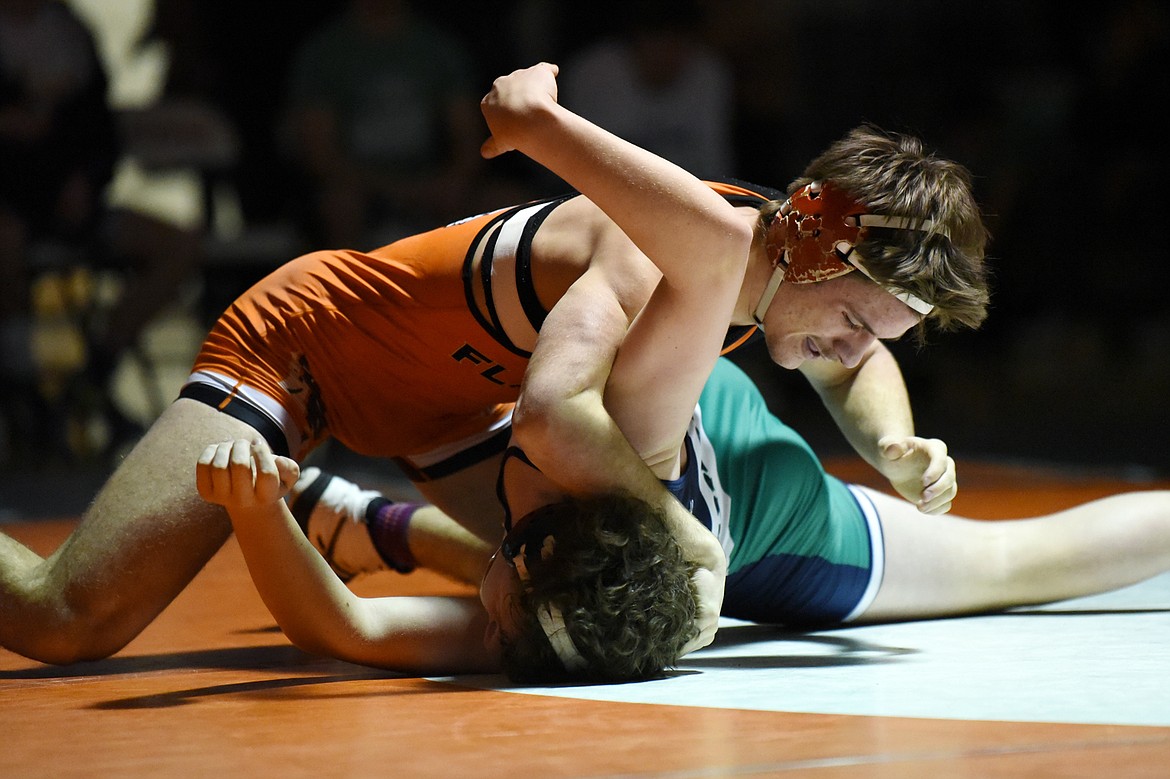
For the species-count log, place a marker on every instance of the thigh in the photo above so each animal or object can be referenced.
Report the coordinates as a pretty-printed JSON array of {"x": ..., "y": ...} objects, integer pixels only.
[
  {"x": 934, "y": 565},
  {"x": 148, "y": 532}
]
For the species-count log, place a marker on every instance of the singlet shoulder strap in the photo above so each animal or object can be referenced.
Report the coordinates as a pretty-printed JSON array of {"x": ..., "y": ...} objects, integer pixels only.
[{"x": 512, "y": 451}]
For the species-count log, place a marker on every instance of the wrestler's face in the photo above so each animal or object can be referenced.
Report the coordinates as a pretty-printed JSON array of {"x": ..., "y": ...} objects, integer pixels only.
[
  {"x": 500, "y": 593},
  {"x": 837, "y": 320}
]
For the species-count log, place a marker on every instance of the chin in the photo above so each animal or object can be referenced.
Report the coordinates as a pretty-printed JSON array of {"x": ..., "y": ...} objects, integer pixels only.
[{"x": 786, "y": 358}]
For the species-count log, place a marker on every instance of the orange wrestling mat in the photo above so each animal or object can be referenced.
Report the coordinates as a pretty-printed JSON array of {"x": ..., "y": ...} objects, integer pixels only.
[{"x": 213, "y": 689}]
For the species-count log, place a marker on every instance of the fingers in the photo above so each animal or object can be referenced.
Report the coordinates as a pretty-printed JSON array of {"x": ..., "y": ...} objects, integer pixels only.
[
  {"x": 288, "y": 471},
  {"x": 510, "y": 100},
  {"x": 267, "y": 487},
  {"x": 242, "y": 473},
  {"x": 939, "y": 495},
  {"x": 938, "y": 478},
  {"x": 203, "y": 473},
  {"x": 921, "y": 471},
  {"x": 940, "y": 484},
  {"x": 213, "y": 472},
  {"x": 709, "y": 591}
]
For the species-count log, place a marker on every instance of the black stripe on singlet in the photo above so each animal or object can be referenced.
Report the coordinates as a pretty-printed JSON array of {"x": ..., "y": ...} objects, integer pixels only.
[
  {"x": 485, "y": 277},
  {"x": 240, "y": 409},
  {"x": 457, "y": 462},
  {"x": 743, "y": 334},
  {"x": 491, "y": 323},
  {"x": 501, "y": 490},
  {"x": 524, "y": 285},
  {"x": 763, "y": 194},
  {"x": 469, "y": 285}
]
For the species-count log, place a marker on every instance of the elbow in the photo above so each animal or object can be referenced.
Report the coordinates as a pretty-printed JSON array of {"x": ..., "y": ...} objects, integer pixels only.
[
  {"x": 551, "y": 428},
  {"x": 309, "y": 641},
  {"x": 534, "y": 423},
  {"x": 739, "y": 235},
  {"x": 726, "y": 256}
]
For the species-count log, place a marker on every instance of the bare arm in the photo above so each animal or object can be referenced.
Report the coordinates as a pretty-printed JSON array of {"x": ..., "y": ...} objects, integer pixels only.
[
  {"x": 580, "y": 445},
  {"x": 314, "y": 609},
  {"x": 695, "y": 238},
  {"x": 671, "y": 216},
  {"x": 590, "y": 416},
  {"x": 872, "y": 408}
]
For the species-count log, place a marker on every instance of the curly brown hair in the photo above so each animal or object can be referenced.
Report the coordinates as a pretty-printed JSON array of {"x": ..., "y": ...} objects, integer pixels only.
[
  {"x": 894, "y": 175},
  {"x": 624, "y": 589}
]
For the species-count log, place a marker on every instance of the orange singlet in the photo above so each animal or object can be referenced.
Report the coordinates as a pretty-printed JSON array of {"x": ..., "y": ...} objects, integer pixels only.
[{"x": 387, "y": 351}]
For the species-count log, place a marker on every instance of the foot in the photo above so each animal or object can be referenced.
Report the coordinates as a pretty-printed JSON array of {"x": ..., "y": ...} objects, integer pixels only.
[{"x": 332, "y": 513}]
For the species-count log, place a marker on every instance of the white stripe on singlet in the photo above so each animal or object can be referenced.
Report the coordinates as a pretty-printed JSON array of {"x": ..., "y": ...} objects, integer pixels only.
[
  {"x": 256, "y": 399},
  {"x": 710, "y": 488},
  {"x": 505, "y": 291},
  {"x": 423, "y": 460},
  {"x": 877, "y": 552}
]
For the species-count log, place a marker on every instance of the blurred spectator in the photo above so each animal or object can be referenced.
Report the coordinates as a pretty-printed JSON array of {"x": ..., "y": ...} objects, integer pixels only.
[
  {"x": 215, "y": 56},
  {"x": 384, "y": 121},
  {"x": 58, "y": 147},
  {"x": 656, "y": 83}
]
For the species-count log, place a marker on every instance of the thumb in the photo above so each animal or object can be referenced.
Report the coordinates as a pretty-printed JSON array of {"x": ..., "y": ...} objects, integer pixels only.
[
  {"x": 893, "y": 449},
  {"x": 491, "y": 148},
  {"x": 287, "y": 471}
]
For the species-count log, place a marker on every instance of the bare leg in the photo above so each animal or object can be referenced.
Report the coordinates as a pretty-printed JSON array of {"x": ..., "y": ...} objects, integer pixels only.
[
  {"x": 939, "y": 566},
  {"x": 469, "y": 497},
  {"x": 144, "y": 538},
  {"x": 442, "y": 544},
  {"x": 459, "y": 535}
]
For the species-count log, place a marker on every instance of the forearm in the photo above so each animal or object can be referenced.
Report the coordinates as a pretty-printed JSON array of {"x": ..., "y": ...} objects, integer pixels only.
[
  {"x": 600, "y": 459},
  {"x": 669, "y": 214},
  {"x": 624, "y": 180},
  {"x": 868, "y": 404},
  {"x": 302, "y": 593},
  {"x": 315, "y": 610}
]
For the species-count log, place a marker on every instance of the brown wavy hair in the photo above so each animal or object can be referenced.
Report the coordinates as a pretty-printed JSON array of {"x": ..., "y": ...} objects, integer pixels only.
[
  {"x": 623, "y": 587},
  {"x": 895, "y": 175}
]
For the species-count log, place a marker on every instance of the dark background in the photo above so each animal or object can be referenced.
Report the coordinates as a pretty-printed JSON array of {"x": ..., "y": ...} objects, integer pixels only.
[{"x": 1056, "y": 107}]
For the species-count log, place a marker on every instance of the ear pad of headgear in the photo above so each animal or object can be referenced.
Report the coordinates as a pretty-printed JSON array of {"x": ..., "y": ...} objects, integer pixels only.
[
  {"x": 531, "y": 540},
  {"x": 814, "y": 233}
]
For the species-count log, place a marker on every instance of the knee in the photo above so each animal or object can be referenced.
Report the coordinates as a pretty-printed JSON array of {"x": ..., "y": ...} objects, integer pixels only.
[{"x": 65, "y": 629}]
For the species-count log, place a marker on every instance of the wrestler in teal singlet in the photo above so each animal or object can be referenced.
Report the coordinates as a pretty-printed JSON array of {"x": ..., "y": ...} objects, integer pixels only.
[{"x": 804, "y": 542}]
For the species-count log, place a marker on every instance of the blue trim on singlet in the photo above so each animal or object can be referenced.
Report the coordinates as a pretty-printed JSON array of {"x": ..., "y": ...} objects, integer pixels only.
[
  {"x": 794, "y": 590},
  {"x": 686, "y": 488}
]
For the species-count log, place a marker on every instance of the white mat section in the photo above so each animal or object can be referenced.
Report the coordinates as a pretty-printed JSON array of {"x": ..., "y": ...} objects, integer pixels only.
[{"x": 1103, "y": 660}]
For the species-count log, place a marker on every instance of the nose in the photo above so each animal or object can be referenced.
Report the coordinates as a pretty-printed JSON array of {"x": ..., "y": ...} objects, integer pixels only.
[{"x": 850, "y": 348}]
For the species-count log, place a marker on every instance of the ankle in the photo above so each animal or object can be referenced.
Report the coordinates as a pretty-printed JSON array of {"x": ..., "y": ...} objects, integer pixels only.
[{"x": 389, "y": 526}]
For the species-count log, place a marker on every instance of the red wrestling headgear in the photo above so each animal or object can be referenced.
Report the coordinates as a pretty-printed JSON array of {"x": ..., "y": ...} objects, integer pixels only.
[{"x": 814, "y": 236}]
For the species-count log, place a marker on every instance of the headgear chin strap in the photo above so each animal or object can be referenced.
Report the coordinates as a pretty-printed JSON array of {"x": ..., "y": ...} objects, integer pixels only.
[{"x": 814, "y": 238}]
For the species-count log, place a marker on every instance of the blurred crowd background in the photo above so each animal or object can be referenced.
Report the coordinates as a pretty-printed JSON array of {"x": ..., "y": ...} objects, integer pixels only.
[{"x": 158, "y": 156}]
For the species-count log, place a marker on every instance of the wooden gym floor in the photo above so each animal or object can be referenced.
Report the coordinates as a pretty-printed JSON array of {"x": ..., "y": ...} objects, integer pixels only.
[{"x": 1077, "y": 689}]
